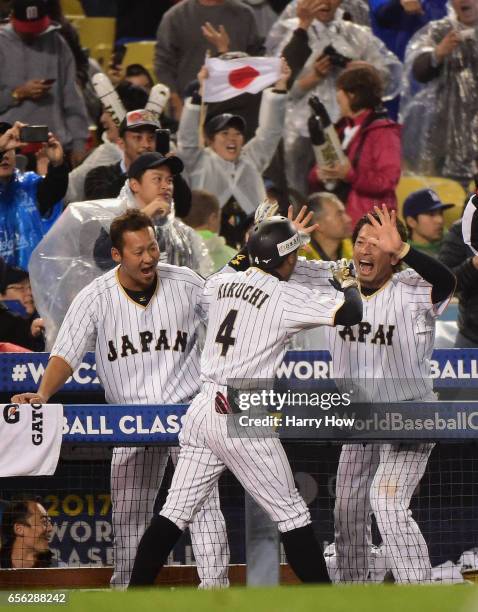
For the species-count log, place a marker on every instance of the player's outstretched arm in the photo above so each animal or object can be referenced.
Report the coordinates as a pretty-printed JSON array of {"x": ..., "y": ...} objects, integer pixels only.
[
  {"x": 440, "y": 277},
  {"x": 351, "y": 311},
  {"x": 56, "y": 374}
]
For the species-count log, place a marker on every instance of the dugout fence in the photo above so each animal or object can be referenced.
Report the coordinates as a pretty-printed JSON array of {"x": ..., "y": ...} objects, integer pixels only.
[{"x": 78, "y": 500}]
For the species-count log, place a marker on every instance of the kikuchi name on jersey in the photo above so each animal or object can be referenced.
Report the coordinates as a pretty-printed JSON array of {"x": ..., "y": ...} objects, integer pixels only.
[{"x": 248, "y": 293}]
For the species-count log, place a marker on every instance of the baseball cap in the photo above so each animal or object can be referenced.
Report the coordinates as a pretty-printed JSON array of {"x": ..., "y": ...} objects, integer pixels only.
[
  {"x": 148, "y": 161},
  {"x": 137, "y": 119},
  {"x": 219, "y": 122},
  {"x": 30, "y": 16},
  {"x": 423, "y": 201}
]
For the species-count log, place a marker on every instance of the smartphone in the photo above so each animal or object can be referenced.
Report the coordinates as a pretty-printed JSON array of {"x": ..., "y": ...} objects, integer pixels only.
[
  {"x": 34, "y": 133},
  {"x": 162, "y": 141},
  {"x": 48, "y": 81}
]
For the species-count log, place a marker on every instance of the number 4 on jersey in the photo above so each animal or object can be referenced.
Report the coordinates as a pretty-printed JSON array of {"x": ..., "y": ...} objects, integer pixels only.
[{"x": 224, "y": 334}]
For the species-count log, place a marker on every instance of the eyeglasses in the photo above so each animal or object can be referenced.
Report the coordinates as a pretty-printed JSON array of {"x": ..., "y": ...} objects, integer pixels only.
[{"x": 24, "y": 288}]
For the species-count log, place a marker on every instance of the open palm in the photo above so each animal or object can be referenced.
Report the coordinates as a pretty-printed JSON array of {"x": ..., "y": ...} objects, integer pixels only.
[{"x": 388, "y": 240}]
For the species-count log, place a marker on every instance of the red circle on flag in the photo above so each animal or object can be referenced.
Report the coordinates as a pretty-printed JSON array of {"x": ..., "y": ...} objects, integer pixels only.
[{"x": 241, "y": 77}]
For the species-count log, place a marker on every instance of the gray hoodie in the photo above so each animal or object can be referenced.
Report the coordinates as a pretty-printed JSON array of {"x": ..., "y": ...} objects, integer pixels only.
[{"x": 47, "y": 57}]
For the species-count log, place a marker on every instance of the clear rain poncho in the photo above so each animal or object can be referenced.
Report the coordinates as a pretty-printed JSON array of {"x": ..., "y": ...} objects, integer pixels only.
[
  {"x": 354, "y": 42},
  {"x": 349, "y": 39},
  {"x": 63, "y": 262},
  {"x": 357, "y": 9},
  {"x": 440, "y": 117}
]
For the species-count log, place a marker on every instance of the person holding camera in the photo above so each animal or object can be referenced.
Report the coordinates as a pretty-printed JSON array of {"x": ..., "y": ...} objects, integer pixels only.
[
  {"x": 371, "y": 170},
  {"x": 137, "y": 135},
  {"x": 38, "y": 77},
  {"x": 440, "y": 119},
  {"x": 29, "y": 203},
  {"x": 318, "y": 46}
]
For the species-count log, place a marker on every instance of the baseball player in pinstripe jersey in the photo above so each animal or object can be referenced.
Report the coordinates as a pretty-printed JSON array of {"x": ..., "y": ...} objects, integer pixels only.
[
  {"x": 469, "y": 223},
  {"x": 140, "y": 319},
  {"x": 251, "y": 315},
  {"x": 389, "y": 352}
]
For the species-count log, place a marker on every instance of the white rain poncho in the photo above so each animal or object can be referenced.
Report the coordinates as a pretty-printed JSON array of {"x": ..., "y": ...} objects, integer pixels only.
[
  {"x": 63, "y": 262},
  {"x": 440, "y": 117}
]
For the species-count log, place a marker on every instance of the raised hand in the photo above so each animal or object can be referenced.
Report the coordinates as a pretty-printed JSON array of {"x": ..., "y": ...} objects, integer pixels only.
[
  {"x": 302, "y": 220},
  {"x": 11, "y": 138},
  {"x": 389, "y": 240},
  {"x": 285, "y": 73},
  {"x": 306, "y": 11},
  {"x": 219, "y": 38},
  {"x": 54, "y": 150}
]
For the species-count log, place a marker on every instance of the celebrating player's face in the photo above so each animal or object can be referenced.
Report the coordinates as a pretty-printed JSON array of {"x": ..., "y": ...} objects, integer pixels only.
[
  {"x": 373, "y": 266},
  {"x": 138, "y": 259}
]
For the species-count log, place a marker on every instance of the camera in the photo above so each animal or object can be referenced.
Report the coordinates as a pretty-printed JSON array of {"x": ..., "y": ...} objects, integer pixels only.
[
  {"x": 162, "y": 141},
  {"x": 336, "y": 58},
  {"x": 34, "y": 133}
]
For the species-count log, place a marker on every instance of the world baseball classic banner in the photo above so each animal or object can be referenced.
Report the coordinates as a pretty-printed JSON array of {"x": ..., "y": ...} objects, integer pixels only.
[
  {"x": 130, "y": 425},
  {"x": 450, "y": 368}
]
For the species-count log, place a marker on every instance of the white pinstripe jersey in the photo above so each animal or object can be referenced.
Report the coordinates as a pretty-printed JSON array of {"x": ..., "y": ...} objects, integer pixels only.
[
  {"x": 394, "y": 340},
  {"x": 251, "y": 315},
  {"x": 144, "y": 354}
]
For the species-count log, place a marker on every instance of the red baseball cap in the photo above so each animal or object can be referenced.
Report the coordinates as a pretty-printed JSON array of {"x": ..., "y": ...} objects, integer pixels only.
[{"x": 30, "y": 16}]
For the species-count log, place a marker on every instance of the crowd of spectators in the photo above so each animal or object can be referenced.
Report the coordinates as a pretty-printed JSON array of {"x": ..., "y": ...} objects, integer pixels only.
[{"x": 364, "y": 61}]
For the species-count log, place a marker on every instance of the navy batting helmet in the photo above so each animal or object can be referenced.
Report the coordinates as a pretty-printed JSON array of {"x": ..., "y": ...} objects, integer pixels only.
[{"x": 271, "y": 240}]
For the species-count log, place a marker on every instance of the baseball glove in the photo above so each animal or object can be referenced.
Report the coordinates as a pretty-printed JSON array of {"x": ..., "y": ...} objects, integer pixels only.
[{"x": 343, "y": 275}]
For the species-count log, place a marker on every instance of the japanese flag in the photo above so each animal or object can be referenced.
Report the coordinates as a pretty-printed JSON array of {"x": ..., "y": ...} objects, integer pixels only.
[
  {"x": 230, "y": 78},
  {"x": 469, "y": 224}
]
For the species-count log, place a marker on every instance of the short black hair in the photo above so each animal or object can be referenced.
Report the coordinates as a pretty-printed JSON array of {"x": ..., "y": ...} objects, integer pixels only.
[
  {"x": 17, "y": 512},
  {"x": 365, "y": 84},
  {"x": 132, "y": 96},
  {"x": 133, "y": 70},
  {"x": 131, "y": 221},
  {"x": 402, "y": 230}
]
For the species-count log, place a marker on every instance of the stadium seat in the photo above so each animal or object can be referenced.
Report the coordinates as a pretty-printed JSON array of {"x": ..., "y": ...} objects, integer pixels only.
[
  {"x": 140, "y": 53},
  {"x": 72, "y": 7},
  {"x": 97, "y": 34},
  {"x": 449, "y": 191}
]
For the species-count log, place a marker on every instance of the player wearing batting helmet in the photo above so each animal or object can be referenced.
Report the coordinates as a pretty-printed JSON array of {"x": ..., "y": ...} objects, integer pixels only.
[{"x": 251, "y": 315}]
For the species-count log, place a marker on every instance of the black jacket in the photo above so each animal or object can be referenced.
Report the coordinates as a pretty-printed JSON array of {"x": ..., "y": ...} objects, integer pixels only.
[
  {"x": 455, "y": 254},
  {"x": 52, "y": 188},
  {"x": 16, "y": 329},
  {"x": 106, "y": 182}
]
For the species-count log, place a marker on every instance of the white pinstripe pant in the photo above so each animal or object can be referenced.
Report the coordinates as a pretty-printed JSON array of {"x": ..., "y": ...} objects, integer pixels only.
[
  {"x": 136, "y": 476},
  {"x": 380, "y": 478},
  {"x": 260, "y": 465}
]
